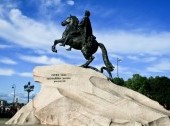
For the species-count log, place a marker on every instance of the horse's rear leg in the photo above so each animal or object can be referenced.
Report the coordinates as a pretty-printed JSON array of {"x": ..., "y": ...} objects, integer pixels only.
[{"x": 89, "y": 60}]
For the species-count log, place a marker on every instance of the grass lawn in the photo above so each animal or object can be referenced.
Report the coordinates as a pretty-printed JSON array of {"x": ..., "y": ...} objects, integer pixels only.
[{"x": 2, "y": 121}]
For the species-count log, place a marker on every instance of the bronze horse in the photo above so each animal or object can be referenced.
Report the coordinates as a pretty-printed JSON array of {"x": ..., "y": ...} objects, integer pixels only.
[{"x": 88, "y": 49}]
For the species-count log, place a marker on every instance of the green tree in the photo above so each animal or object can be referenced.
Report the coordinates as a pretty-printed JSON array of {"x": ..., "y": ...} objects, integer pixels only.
[
  {"x": 138, "y": 83},
  {"x": 118, "y": 81},
  {"x": 159, "y": 90}
]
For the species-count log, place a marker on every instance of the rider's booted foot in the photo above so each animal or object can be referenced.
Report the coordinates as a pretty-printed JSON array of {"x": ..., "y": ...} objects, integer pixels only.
[
  {"x": 69, "y": 49},
  {"x": 63, "y": 44}
]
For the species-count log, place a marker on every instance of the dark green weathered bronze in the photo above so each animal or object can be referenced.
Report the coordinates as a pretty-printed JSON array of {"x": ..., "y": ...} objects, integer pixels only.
[{"x": 80, "y": 37}]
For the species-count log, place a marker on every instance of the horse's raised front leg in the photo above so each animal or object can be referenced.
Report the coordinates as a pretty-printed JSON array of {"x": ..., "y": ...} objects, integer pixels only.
[
  {"x": 55, "y": 43},
  {"x": 53, "y": 47}
]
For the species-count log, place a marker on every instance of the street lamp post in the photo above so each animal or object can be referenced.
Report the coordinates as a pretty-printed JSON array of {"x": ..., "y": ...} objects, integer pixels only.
[
  {"x": 118, "y": 60},
  {"x": 28, "y": 88},
  {"x": 14, "y": 87}
]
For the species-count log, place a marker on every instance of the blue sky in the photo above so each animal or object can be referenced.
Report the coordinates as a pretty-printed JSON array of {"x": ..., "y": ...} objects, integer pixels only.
[{"x": 136, "y": 31}]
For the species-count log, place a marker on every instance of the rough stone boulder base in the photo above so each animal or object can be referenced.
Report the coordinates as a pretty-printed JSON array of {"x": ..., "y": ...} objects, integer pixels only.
[{"x": 75, "y": 96}]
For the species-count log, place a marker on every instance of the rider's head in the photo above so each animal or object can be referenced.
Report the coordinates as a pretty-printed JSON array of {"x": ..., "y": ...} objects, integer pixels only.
[{"x": 87, "y": 13}]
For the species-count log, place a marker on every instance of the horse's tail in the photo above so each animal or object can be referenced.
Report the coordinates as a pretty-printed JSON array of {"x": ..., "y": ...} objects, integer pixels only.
[{"x": 107, "y": 63}]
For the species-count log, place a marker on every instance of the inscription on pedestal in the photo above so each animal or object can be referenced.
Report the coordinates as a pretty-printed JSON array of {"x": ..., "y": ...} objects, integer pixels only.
[{"x": 59, "y": 77}]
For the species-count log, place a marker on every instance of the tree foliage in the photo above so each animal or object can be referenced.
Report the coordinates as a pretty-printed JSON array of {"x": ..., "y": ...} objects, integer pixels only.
[
  {"x": 118, "y": 81},
  {"x": 137, "y": 83}
]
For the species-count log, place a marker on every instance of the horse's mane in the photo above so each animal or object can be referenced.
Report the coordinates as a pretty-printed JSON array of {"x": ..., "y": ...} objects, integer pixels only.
[{"x": 75, "y": 18}]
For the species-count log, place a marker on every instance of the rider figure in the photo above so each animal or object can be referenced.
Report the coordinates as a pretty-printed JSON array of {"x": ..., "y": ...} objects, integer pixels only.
[
  {"x": 85, "y": 30},
  {"x": 85, "y": 27}
]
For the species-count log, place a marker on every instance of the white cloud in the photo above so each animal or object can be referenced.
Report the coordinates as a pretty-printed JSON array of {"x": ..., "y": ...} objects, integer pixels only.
[
  {"x": 7, "y": 72},
  {"x": 133, "y": 57},
  {"x": 41, "y": 59},
  {"x": 51, "y": 2},
  {"x": 124, "y": 72},
  {"x": 70, "y": 2},
  {"x": 154, "y": 69},
  {"x": 116, "y": 56},
  {"x": 8, "y": 61},
  {"x": 25, "y": 74},
  {"x": 149, "y": 59},
  {"x": 4, "y": 46},
  {"x": 142, "y": 58},
  {"x": 6, "y": 5},
  {"x": 22, "y": 97},
  {"x": 133, "y": 42},
  {"x": 162, "y": 66},
  {"x": 27, "y": 32},
  {"x": 11, "y": 72},
  {"x": 49, "y": 6},
  {"x": 6, "y": 96}
]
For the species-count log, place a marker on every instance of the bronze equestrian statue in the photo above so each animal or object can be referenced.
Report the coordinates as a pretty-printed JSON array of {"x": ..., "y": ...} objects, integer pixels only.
[{"x": 80, "y": 37}]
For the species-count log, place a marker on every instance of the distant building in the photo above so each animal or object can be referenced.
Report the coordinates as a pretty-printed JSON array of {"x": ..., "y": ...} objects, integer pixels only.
[{"x": 3, "y": 102}]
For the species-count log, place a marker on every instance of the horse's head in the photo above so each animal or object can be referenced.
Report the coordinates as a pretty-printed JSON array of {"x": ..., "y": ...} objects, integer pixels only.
[{"x": 72, "y": 20}]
